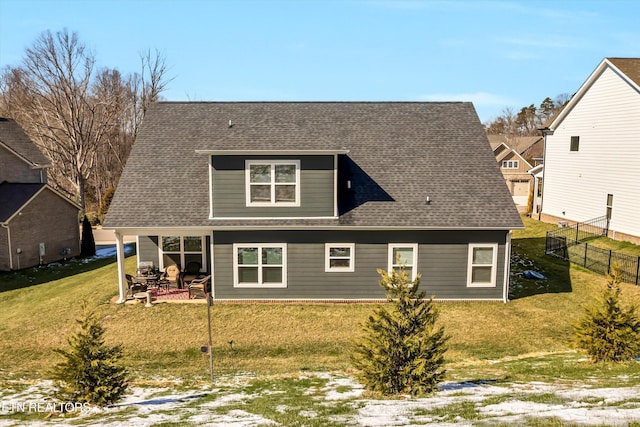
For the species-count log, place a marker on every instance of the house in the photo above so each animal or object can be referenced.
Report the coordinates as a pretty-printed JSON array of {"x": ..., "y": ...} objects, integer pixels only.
[
  {"x": 304, "y": 201},
  {"x": 38, "y": 225},
  {"x": 514, "y": 169},
  {"x": 592, "y": 152}
]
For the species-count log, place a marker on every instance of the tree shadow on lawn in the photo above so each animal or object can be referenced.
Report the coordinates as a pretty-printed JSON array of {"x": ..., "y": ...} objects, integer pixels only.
[
  {"x": 38, "y": 275},
  {"x": 528, "y": 254}
]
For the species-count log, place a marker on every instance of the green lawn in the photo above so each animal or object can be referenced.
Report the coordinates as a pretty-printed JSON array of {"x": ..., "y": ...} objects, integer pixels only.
[{"x": 38, "y": 308}]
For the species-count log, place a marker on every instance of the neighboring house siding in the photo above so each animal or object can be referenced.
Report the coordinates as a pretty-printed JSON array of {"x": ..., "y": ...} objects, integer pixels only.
[
  {"x": 47, "y": 219},
  {"x": 14, "y": 169},
  {"x": 576, "y": 184},
  {"x": 442, "y": 261},
  {"x": 316, "y": 188}
]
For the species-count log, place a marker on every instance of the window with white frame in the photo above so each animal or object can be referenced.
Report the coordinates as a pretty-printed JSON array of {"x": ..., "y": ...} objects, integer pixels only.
[
  {"x": 482, "y": 265},
  {"x": 260, "y": 265},
  {"x": 404, "y": 255},
  {"x": 339, "y": 257},
  {"x": 272, "y": 182},
  {"x": 181, "y": 250},
  {"x": 510, "y": 164}
]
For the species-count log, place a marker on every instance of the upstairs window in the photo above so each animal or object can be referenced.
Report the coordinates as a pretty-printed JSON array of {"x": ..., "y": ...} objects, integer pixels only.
[
  {"x": 273, "y": 183},
  {"x": 510, "y": 164},
  {"x": 575, "y": 143}
]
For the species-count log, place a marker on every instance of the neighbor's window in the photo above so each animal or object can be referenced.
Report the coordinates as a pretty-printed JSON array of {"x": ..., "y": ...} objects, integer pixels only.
[
  {"x": 404, "y": 255},
  {"x": 482, "y": 265},
  {"x": 273, "y": 183},
  {"x": 181, "y": 250},
  {"x": 575, "y": 143},
  {"x": 510, "y": 164},
  {"x": 260, "y": 265},
  {"x": 339, "y": 257},
  {"x": 609, "y": 206}
]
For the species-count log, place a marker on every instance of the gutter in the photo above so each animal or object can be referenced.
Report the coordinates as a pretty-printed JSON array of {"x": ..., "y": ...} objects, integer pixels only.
[{"x": 6, "y": 227}]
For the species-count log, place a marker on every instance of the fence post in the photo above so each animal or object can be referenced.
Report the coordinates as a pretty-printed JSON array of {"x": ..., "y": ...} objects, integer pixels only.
[
  {"x": 638, "y": 270},
  {"x": 609, "y": 263},
  {"x": 577, "y": 228},
  {"x": 586, "y": 249}
]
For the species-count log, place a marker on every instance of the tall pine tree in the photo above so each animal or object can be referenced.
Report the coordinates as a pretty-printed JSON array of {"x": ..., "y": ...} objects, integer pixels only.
[
  {"x": 402, "y": 350},
  {"x": 608, "y": 331},
  {"x": 91, "y": 372}
]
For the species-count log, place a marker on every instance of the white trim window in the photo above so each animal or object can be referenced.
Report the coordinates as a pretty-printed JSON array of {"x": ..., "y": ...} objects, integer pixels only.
[
  {"x": 260, "y": 265},
  {"x": 404, "y": 255},
  {"x": 510, "y": 164},
  {"x": 272, "y": 182},
  {"x": 181, "y": 250},
  {"x": 339, "y": 257},
  {"x": 482, "y": 265}
]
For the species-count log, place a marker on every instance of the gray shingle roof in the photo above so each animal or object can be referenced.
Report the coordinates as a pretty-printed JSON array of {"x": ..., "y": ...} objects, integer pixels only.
[
  {"x": 12, "y": 135},
  {"x": 410, "y": 150}
]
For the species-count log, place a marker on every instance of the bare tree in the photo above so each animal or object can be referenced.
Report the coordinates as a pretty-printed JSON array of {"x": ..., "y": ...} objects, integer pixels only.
[{"x": 84, "y": 120}]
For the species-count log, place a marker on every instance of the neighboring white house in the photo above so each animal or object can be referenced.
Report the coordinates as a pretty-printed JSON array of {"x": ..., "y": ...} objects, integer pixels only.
[{"x": 592, "y": 152}]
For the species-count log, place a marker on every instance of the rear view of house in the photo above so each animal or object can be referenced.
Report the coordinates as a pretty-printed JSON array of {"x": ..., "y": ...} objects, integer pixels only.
[
  {"x": 305, "y": 201},
  {"x": 38, "y": 225},
  {"x": 592, "y": 152}
]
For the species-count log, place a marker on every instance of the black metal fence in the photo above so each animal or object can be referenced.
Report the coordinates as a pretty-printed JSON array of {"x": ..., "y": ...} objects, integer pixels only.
[{"x": 569, "y": 243}]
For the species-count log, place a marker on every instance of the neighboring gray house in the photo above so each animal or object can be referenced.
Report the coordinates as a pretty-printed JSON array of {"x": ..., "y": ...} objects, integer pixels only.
[
  {"x": 305, "y": 200},
  {"x": 38, "y": 225}
]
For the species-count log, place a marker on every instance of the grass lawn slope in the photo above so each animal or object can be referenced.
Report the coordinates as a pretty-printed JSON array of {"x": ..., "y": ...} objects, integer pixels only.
[{"x": 528, "y": 338}]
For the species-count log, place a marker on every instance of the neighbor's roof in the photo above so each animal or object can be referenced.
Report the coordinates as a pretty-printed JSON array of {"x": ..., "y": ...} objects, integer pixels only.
[
  {"x": 629, "y": 66},
  {"x": 410, "y": 151},
  {"x": 13, "y": 137},
  {"x": 13, "y": 196}
]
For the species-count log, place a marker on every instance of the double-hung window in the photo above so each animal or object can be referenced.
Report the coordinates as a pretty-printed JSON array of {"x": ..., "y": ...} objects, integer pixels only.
[
  {"x": 260, "y": 265},
  {"x": 404, "y": 255},
  {"x": 482, "y": 265},
  {"x": 272, "y": 182},
  {"x": 339, "y": 257},
  {"x": 181, "y": 250}
]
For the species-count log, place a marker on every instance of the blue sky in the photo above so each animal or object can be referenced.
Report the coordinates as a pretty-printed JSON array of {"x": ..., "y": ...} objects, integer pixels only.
[{"x": 496, "y": 54}]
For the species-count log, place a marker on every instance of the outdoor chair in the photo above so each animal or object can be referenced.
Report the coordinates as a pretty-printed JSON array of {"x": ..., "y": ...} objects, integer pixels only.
[
  {"x": 191, "y": 272},
  {"x": 199, "y": 286},
  {"x": 172, "y": 276},
  {"x": 133, "y": 286}
]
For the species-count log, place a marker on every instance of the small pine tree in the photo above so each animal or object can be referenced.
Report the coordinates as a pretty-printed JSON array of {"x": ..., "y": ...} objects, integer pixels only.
[
  {"x": 92, "y": 372},
  {"x": 88, "y": 244},
  {"x": 402, "y": 350},
  {"x": 609, "y": 332}
]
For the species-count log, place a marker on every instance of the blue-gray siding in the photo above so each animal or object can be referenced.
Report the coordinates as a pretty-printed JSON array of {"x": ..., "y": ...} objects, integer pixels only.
[
  {"x": 316, "y": 188},
  {"x": 442, "y": 261}
]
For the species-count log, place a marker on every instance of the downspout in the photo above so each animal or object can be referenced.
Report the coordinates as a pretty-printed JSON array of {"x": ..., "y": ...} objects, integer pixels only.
[
  {"x": 6, "y": 227},
  {"x": 507, "y": 268},
  {"x": 213, "y": 270},
  {"x": 545, "y": 131}
]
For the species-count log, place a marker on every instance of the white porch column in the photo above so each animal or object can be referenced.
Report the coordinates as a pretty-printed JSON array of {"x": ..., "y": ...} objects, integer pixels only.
[{"x": 122, "y": 280}]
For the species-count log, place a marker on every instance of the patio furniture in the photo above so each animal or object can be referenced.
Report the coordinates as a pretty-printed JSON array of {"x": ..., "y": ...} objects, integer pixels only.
[
  {"x": 172, "y": 276},
  {"x": 199, "y": 285},
  {"x": 134, "y": 286},
  {"x": 191, "y": 272}
]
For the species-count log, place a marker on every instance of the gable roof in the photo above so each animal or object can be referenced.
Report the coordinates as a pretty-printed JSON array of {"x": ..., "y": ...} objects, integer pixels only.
[
  {"x": 410, "y": 150},
  {"x": 13, "y": 138},
  {"x": 14, "y": 196},
  {"x": 627, "y": 68}
]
